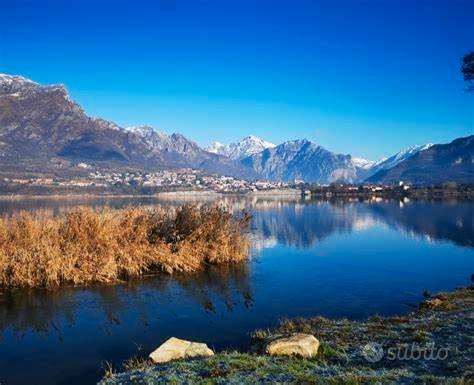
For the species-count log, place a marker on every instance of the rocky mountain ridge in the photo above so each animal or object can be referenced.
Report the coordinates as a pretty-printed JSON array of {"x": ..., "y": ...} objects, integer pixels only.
[
  {"x": 41, "y": 127},
  {"x": 43, "y": 130},
  {"x": 439, "y": 163}
]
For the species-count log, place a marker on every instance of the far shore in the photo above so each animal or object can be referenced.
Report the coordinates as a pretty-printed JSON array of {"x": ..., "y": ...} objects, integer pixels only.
[
  {"x": 182, "y": 193},
  {"x": 307, "y": 192},
  {"x": 105, "y": 195}
]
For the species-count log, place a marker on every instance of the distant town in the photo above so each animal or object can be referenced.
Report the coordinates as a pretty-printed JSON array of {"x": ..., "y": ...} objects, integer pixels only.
[
  {"x": 184, "y": 179},
  {"x": 95, "y": 181}
]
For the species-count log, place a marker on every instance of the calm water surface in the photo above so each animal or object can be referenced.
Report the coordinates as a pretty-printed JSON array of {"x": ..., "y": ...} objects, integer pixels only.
[{"x": 338, "y": 259}]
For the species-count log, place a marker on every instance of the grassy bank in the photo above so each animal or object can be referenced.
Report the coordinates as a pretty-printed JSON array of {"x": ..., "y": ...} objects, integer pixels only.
[
  {"x": 445, "y": 321},
  {"x": 88, "y": 246}
]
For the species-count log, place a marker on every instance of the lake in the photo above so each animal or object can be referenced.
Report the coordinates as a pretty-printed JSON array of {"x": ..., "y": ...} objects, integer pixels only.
[{"x": 339, "y": 258}]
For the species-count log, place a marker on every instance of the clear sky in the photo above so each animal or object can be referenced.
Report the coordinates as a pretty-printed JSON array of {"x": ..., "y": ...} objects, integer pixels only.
[{"x": 362, "y": 77}]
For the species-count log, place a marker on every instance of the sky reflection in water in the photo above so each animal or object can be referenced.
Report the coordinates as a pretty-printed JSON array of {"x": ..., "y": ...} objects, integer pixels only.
[{"x": 339, "y": 259}]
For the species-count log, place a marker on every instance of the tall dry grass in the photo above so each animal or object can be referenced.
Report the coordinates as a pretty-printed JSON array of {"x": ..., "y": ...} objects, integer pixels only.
[{"x": 105, "y": 246}]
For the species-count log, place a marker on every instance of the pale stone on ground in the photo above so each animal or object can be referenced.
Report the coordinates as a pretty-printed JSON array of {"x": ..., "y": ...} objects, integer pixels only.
[
  {"x": 175, "y": 348},
  {"x": 435, "y": 302},
  {"x": 431, "y": 303},
  {"x": 298, "y": 344}
]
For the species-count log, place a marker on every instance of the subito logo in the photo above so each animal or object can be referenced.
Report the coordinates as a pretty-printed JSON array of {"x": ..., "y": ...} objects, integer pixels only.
[{"x": 372, "y": 352}]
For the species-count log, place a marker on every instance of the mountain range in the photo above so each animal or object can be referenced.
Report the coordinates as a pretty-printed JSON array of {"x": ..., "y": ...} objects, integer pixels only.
[
  {"x": 307, "y": 161},
  {"x": 441, "y": 162},
  {"x": 42, "y": 130}
]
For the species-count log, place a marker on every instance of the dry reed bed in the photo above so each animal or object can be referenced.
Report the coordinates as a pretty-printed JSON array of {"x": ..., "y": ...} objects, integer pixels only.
[{"x": 89, "y": 246}]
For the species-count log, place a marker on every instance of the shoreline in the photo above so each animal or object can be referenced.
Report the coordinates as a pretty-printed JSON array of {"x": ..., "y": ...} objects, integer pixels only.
[
  {"x": 443, "y": 323},
  {"x": 101, "y": 196},
  {"x": 258, "y": 194}
]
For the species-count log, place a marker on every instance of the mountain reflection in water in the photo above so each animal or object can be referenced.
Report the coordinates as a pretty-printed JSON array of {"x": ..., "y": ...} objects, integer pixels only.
[{"x": 304, "y": 224}]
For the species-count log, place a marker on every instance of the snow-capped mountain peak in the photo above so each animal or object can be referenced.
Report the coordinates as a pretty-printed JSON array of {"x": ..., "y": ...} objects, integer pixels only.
[
  {"x": 151, "y": 136},
  {"x": 215, "y": 147},
  {"x": 302, "y": 160},
  {"x": 12, "y": 83},
  {"x": 145, "y": 131},
  {"x": 362, "y": 163},
  {"x": 248, "y": 146},
  {"x": 392, "y": 161}
]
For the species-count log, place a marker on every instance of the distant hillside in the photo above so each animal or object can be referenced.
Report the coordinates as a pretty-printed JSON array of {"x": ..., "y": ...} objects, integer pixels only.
[
  {"x": 440, "y": 163},
  {"x": 392, "y": 161}
]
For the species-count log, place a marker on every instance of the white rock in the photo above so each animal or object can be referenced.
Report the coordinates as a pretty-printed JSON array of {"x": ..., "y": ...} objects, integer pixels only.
[
  {"x": 298, "y": 344},
  {"x": 175, "y": 348}
]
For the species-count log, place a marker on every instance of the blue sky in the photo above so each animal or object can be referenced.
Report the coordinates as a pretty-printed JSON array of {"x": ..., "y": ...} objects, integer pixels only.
[{"x": 360, "y": 77}]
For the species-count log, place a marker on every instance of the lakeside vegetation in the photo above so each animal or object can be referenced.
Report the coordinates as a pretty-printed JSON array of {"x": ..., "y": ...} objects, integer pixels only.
[
  {"x": 89, "y": 246},
  {"x": 442, "y": 323}
]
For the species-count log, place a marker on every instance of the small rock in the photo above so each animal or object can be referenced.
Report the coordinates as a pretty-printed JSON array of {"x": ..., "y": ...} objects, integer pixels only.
[
  {"x": 432, "y": 303},
  {"x": 175, "y": 348},
  {"x": 298, "y": 344}
]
